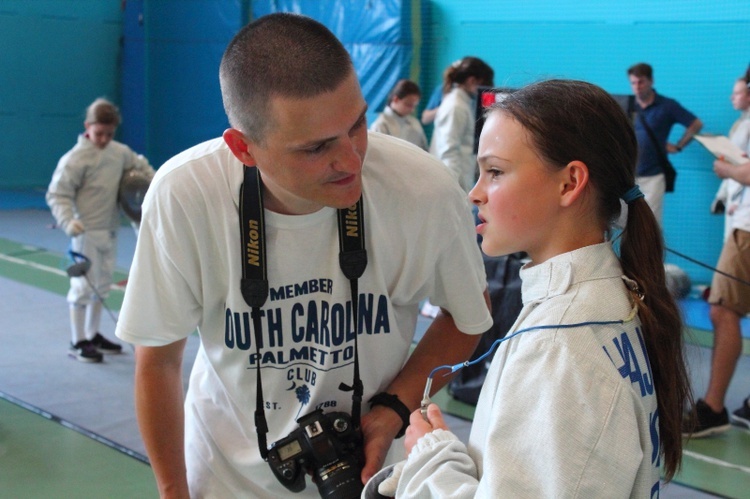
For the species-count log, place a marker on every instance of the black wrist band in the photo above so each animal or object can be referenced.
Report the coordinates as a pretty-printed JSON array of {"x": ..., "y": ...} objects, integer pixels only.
[{"x": 392, "y": 401}]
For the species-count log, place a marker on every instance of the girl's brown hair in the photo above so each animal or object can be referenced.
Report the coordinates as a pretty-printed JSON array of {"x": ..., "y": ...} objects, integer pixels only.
[
  {"x": 463, "y": 69},
  {"x": 404, "y": 88},
  {"x": 103, "y": 112}
]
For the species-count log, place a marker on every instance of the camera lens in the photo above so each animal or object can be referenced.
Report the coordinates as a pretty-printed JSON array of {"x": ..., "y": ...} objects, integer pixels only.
[{"x": 340, "y": 480}]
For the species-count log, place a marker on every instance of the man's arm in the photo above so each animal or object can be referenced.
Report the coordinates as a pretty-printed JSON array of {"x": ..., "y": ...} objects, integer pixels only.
[
  {"x": 161, "y": 417},
  {"x": 442, "y": 344},
  {"x": 692, "y": 130},
  {"x": 428, "y": 115},
  {"x": 431, "y": 109},
  {"x": 740, "y": 173}
]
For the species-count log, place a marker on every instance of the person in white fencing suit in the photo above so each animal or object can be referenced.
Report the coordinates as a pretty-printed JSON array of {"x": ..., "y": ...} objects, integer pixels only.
[
  {"x": 83, "y": 198},
  {"x": 397, "y": 117}
]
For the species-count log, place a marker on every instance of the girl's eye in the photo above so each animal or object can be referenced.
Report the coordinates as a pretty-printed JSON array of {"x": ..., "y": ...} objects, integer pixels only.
[{"x": 494, "y": 172}]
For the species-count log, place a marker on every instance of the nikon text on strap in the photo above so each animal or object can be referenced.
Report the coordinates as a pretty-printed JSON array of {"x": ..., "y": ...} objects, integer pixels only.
[{"x": 254, "y": 282}]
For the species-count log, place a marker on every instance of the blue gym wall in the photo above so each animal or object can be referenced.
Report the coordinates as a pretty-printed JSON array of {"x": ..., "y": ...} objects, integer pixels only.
[
  {"x": 58, "y": 55},
  {"x": 171, "y": 52},
  {"x": 697, "y": 49},
  {"x": 383, "y": 38}
]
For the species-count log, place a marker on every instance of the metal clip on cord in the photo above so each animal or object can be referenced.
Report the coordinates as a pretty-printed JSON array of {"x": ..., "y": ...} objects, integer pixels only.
[{"x": 426, "y": 398}]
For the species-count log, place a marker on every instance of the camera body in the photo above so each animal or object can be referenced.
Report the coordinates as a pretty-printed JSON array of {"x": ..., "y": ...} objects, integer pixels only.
[{"x": 325, "y": 445}]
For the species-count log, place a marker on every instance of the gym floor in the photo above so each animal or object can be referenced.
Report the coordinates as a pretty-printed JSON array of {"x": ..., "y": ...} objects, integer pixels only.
[{"x": 68, "y": 429}]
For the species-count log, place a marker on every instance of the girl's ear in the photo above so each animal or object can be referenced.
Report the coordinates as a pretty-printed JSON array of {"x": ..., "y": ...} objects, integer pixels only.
[
  {"x": 239, "y": 146},
  {"x": 575, "y": 178}
]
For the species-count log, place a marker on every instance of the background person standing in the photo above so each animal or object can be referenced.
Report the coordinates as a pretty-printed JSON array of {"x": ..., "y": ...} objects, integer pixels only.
[
  {"x": 655, "y": 115},
  {"x": 397, "y": 117},
  {"x": 453, "y": 136},
  {"x": 729, "y": 299},
  {"x": 739, "y": 134}
]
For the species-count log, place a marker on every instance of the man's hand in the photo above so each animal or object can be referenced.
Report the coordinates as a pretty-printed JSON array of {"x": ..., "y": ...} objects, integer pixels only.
[
  {"x": 73, "y": 227},
  {"x": 379, "y": 427},
  {"x": 740, "y": 173},
  {"x": 418, "y": 427},
  {"x": 722, "y": 168}
]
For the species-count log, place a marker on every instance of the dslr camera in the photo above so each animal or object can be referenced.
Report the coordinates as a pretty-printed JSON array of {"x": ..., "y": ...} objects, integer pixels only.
[{"x": 325, "y": 445}]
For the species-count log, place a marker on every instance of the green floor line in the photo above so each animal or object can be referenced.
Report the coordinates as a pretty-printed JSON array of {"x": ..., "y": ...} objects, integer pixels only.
[
  {"x": 719, "y": 464},
  {"x": 44, "y": 269}
]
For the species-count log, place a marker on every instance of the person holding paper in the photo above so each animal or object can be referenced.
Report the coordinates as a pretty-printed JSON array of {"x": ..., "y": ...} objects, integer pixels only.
[
  {"x": 739, "y": 135},
  {"x": 656, "y": 116},
  {"x": 729, "y": 298}
]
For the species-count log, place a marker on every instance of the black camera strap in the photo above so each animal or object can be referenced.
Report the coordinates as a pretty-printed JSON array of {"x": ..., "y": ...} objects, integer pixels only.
[{"x": 254, "y": 282}]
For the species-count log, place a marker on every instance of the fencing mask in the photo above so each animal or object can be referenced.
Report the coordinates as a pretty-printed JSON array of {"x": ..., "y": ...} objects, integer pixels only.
[{"x": 133, "y": 187}]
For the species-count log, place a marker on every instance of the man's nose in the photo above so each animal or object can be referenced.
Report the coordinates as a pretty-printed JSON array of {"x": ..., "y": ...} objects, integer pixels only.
[{"x": 349, "y": 158}]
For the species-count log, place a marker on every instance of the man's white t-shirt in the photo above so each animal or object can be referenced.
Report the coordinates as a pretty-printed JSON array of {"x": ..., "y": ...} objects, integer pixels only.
[{"x": 186, "y": 273}]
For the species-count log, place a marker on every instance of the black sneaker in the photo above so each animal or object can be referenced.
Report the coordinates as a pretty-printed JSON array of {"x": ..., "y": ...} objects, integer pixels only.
[
  {"x": 705, "y": 422},
  {"x": 104, "y": 345},
  {"x": 84, "y": 351},
  {"x": 742, "y": 415}
]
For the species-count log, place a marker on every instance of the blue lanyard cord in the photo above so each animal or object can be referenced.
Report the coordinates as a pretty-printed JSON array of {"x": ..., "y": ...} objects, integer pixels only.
[{"x": 457, "y": 367}]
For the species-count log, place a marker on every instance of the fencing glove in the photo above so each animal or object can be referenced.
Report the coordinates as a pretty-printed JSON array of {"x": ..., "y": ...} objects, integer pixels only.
[{"x": 73, "y": 227}]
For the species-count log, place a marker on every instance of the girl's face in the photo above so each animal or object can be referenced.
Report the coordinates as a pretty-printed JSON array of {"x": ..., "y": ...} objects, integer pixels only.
[
  {"x": 518, "y": 196},
  {"x": 101, "y": 135},
  {"x": 405, "y": 106}
]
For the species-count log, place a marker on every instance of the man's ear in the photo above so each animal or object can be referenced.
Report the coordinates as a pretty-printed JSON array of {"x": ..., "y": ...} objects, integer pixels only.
[
  {"x": 575, "y": 178},
  {"x": 238, "y": 144}
]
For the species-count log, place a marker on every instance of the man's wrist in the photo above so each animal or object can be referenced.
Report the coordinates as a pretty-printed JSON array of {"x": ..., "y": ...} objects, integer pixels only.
[{"x": 393, "y": 402}]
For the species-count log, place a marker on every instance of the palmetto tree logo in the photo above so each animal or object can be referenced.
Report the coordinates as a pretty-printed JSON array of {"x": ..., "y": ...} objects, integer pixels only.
[{"x": 303, "y": 395}]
